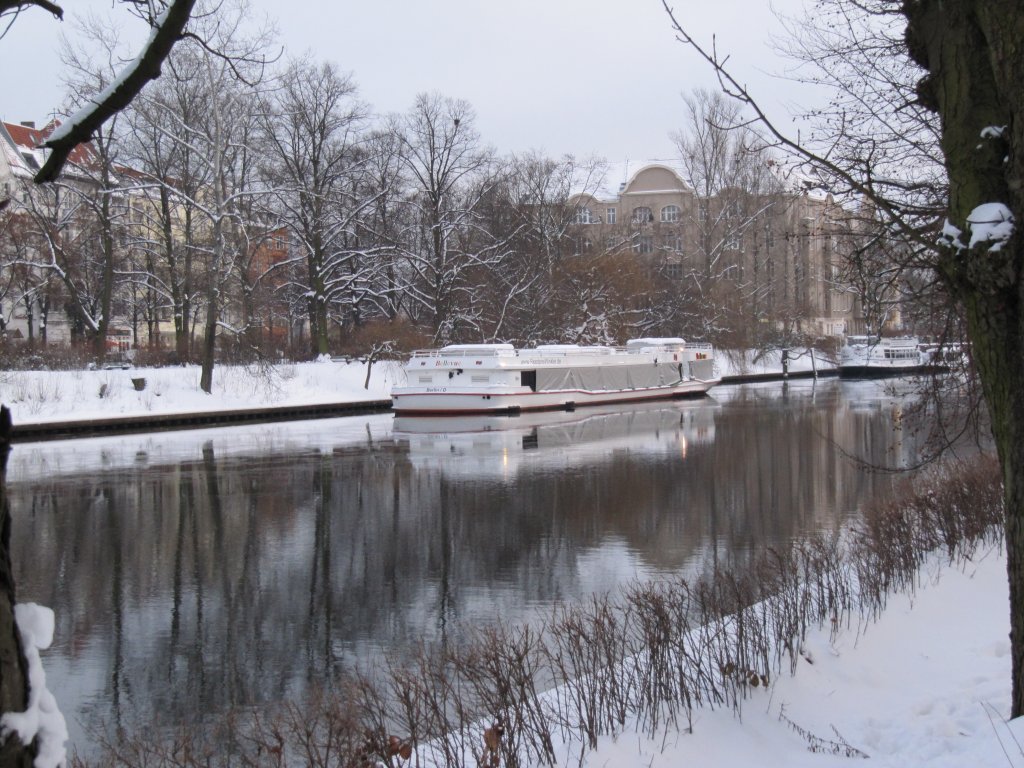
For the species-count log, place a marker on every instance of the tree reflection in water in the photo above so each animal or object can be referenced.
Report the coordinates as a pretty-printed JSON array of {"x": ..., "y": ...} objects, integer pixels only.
[{"x": 195, "y": 571}]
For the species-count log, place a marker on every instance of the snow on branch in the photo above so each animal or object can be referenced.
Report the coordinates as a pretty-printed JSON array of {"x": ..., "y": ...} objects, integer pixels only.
[
  {"x": 42, "y": 718},
  {"x": 167, "y": 30},
  {"x": 990, "y": 223},
  {"x": 19, "y": 5}
]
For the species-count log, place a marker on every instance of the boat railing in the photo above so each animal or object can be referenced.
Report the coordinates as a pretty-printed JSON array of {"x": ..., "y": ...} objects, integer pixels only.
[
  {"x": 544, "y": 350},
  {"x": 568, "y": 350},
  {"x": 503, "y": 351}
]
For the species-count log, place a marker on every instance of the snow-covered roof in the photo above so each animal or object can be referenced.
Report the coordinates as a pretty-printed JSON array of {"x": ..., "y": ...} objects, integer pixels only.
[{"x": 23, "y": 145}]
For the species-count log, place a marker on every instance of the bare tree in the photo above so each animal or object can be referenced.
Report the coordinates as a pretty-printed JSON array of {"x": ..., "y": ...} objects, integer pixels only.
[
  {"x": 744, "y": 224},
  {"x": 540, "y": 194},
  {"x": 224, "y": 137},
  {"x": 101, "y": 192},
  {"x": 314, "y": 130},
  {"x": 444, "y": 248},
  {"x": 173, "y": 176},
  {"x": 384, "y": 181}
]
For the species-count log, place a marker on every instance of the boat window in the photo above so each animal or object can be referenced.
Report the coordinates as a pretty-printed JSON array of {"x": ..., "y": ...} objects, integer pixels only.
[{"x": 528, "y": 379}]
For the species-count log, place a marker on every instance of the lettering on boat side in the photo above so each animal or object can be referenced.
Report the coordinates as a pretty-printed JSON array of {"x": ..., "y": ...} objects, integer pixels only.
[{"x": 437, "y": 389}]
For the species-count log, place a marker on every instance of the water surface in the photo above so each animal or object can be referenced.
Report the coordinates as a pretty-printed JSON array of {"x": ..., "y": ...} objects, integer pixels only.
[{"x": 194, "y": 571}]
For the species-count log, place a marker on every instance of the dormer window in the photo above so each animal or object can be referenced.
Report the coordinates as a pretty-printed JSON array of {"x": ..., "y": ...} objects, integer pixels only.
[{"x": 670, "y": 213}]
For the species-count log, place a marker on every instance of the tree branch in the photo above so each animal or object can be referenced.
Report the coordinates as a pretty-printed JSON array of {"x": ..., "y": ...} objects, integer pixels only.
[
  {"x": 19, "y": 5},
  {"x": 732, "y": 88},
  {"x": 80, "y": 127}
]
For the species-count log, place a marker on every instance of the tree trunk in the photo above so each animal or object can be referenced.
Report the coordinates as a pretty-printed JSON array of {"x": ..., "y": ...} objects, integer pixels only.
[
  {"x": 107, "y": 285},
  {"x": 973, "y": 51},
  {"x": 13, "y": 682},
  {"x": 209, "y": 344},
  {"x": 319, "y": 338}
]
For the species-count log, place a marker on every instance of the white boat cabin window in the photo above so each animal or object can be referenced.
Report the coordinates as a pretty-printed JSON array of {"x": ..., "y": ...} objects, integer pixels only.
[{"x": 901, "y": 354}]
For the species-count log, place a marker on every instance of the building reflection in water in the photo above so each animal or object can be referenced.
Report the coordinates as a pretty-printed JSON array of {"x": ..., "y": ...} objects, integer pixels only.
[{"x": 194, "y": 571}]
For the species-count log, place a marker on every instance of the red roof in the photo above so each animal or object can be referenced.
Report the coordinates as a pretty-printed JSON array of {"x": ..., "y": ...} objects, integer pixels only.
[{"x": 31, "y": 138}]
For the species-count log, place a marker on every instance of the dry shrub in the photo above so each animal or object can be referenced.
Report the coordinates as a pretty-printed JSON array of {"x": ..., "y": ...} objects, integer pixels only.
[
  {"x": 586, "y": 646},
  {"x": 402, "y": 336}
]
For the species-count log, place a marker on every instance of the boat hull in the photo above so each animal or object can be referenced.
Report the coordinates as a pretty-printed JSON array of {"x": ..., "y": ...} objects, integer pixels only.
[
  {"x": 454, "y": 401},
  {"x": 884, "y": 371}
]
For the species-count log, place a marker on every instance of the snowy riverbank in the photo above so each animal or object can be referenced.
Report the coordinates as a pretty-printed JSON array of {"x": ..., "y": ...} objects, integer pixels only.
[
  {"x": 927, "y": 685},
  {"x": 41, "y": 397}
]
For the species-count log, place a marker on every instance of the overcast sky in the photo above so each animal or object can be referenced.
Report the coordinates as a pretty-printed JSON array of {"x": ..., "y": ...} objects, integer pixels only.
[{"x": 586, "y": 77}]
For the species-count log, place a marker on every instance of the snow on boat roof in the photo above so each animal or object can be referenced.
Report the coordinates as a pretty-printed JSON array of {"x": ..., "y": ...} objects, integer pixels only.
[
  {"x": 476, "y": 347},
  {"x": 668, "y": 341},
  {"x": 569, "y": 349}
]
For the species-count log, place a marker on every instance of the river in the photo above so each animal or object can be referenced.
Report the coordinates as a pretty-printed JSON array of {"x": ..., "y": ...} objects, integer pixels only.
[{"x": 197, "y": 570}]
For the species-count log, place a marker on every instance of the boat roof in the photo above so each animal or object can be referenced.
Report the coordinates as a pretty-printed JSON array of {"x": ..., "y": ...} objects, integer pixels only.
[
  {"x": 458, "y": 348},
  {"x": 667, "y": 341}
]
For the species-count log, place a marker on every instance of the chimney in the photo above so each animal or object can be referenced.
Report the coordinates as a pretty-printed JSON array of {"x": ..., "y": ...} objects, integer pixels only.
[{"x": 29, "y": 124}]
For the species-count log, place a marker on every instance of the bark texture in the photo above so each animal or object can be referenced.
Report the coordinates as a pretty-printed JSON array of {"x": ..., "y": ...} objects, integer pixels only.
[
  {"x": 13, "y": 682},
  {"x": 973, "y": 51}
]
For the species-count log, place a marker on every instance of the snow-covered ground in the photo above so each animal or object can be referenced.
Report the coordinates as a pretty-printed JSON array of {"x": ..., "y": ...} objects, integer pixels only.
[
  {"x": 55, "y": 396},
  {"x": 927, "y": 685}
]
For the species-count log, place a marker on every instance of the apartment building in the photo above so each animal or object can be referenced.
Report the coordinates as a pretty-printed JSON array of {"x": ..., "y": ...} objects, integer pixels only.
[{"x": 778, "y": 249}]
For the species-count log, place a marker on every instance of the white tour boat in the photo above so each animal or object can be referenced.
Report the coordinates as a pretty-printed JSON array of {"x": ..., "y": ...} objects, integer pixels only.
[
  {"x": 873, "y": 356},
  {"x": 490, "y": 378}
]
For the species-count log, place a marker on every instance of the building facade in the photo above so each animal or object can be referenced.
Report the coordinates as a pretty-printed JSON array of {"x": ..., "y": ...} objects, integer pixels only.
[
  {"x": 776, "y": 256},
  {"x": 57, "y": 240}
]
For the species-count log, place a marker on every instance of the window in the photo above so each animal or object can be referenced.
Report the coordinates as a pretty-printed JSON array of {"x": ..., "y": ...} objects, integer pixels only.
[
  {"x": 674, "y": 242},
  {"x": 674, "y": 271},
  {"x": 642, "y": 215},
  {"x": 702, "y": 212},
  {"x": 644, "y": 244},
  {"x": 670, "y": 213},
  {"x": 734, "y": 241},
  {"x": 583, "y": 215},
  {"x": 610, "y": 215}
]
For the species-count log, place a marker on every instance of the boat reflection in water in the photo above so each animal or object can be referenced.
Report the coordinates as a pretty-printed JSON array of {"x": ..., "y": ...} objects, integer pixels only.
[
  {"x": 201, "y": 571},
  {"x": 491, "y": 446}
]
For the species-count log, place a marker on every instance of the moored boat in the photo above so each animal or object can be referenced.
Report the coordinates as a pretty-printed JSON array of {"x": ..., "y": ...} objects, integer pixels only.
[
  {"x": 495, "y": 378},
  {"x": 874, "y": 356}
]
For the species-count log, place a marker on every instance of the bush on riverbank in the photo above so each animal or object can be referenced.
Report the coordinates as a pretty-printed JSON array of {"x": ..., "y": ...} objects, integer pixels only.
[{"x": 644, "y": 661}]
